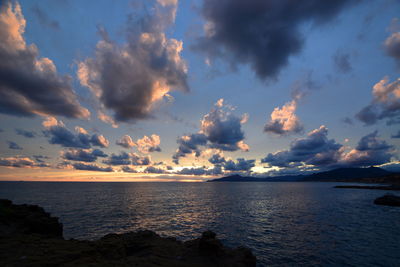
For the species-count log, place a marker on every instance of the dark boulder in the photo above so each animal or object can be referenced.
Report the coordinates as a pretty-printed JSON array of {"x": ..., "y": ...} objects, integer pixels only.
[
  {"x": 27, "y": 219},
  {"x": 388, "y": 200}
]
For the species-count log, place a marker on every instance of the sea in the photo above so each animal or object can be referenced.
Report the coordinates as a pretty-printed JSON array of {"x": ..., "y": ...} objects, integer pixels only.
[{"x": 283, "y": 223}]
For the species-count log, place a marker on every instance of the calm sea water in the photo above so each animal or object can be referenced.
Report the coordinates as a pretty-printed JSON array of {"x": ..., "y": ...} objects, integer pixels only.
[{"x": 283, "y": 223}]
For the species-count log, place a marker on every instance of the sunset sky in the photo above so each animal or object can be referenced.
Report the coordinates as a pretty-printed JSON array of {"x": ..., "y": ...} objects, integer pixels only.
[{"x": 165, "y": 90}]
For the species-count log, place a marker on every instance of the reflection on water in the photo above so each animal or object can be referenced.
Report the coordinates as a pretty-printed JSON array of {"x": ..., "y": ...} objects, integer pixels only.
[{"x": 284, "y": 223}]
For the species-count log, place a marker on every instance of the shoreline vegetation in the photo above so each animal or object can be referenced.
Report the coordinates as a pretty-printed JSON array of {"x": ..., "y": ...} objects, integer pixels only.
[{"x": 29, "y": 236}]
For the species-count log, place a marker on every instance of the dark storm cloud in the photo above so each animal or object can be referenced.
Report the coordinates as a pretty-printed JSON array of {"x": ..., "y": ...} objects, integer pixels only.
[
  {"x": 385, "y": 104},
  {"x": 342, "y": 62},
  {"x": 131, "y": 79},
  {"x": 220, "y": 129},
  {"x": 240, "y": 165},
  {"x": 315, "y": 149},
  {"x": 91, "y": 167},
  {"x": 30, "y": 85},
  {"x": 86, "y": 155},
  {"x": 60, "y": 135},
  {"x": 44, "y": 19},
  {"x": 261, "y": 33},
  {"x": 13, "y": 145},
  {"x": 27, "y": 134},
  {"x": 127, "y": 159}
]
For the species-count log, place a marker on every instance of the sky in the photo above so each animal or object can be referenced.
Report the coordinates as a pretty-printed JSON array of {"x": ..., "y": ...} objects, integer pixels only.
[{"x": 168, "y": 90}]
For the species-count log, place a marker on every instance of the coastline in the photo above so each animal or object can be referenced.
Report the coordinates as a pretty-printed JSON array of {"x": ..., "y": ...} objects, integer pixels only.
[{"x": 29, "y": 236}]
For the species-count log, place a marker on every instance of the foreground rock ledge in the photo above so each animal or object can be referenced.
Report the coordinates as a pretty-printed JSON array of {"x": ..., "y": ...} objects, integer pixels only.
[{"x": 29, "y": 236}]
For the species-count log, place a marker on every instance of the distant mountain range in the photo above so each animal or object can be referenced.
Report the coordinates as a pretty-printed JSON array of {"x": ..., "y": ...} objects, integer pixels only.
[{"x": 337, "y": 175}]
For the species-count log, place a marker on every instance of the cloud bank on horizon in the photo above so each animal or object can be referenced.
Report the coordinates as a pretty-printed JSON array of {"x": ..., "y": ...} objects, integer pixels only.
[{"x": 122, "y": 87}]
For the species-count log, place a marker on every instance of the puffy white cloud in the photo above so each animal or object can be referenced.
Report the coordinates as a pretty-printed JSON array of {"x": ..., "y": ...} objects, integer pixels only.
[
  {"x": 284, "y": 120},
  {"x": 385, "y": 104},
  {"x": 149, "y": 144}
]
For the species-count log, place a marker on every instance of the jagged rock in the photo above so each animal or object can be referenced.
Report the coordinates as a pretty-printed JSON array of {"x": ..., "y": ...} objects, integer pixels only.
[
  {"x": 24, "y": 243},
  {"x": 27, "y": 219},
  {"x": 388, "y": 200}
]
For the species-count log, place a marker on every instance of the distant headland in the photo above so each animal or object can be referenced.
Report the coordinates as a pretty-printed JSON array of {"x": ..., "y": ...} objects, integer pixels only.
[{"x": 363, "y": 175}]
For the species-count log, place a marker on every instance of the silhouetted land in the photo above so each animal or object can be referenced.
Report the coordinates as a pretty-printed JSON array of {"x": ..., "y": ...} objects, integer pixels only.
[
  {"x": 354, "y": 175},
  {"x": 29, "y": 236}
]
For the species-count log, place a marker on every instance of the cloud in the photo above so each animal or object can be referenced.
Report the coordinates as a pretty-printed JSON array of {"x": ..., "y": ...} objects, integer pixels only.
[
  {"x": 27, "y": 134},
  {"x": 126, "y": 142},
  {"x": 370, "y": 151},
  {"x": 217, "y": 159},
  {"x": 30, "y": 85},
  {"x": 216, "y": 170},
  {"x": 87, "y": 155},
  {"x": 240, "y": 165},
  {"x": 140, "y": 160},
  {"x": 396, "y": 135},
  {"x": 13, "y": 145},
  {"x": 189, "y": 144},
  {"x": 145, "y": 145},
  {"x": 131, "y": 79},
  {"x": 149, "y": 144},
  {"x": 40, "y": 158},
  {"x": 219, "y": 129},
  {"x": 342, "y": 62},
  {"x": 318, "y": 151},
  {"x": 44, "y": 19},
  {"x": 385, "y": 104},
  {"x": 347, "y": 120},
  {"x": 261, "y": 33},
  {"x": 392, "y": 43},
  {"x": 128, "y": 169},
  {"x": 20, "y": 162},
  {"x": 284, "y": 120},
  {"x": 127, "y": 159},
  {"x": 59, "y": 134},
  {"x": 91, "y": 167},
  {"x": 314, "y": 149},
  {"x": 152, "y": 169}
]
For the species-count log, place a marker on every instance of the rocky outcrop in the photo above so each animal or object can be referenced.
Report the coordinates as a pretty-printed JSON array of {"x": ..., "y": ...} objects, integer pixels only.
[
  {"x": 31, "y": 237},
  {"x": 27, "y": 219},
  {"x": 388, "y": 200}
]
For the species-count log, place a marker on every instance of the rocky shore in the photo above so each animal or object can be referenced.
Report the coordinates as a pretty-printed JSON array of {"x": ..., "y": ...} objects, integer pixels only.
[{"x": 29, "y": 236}]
